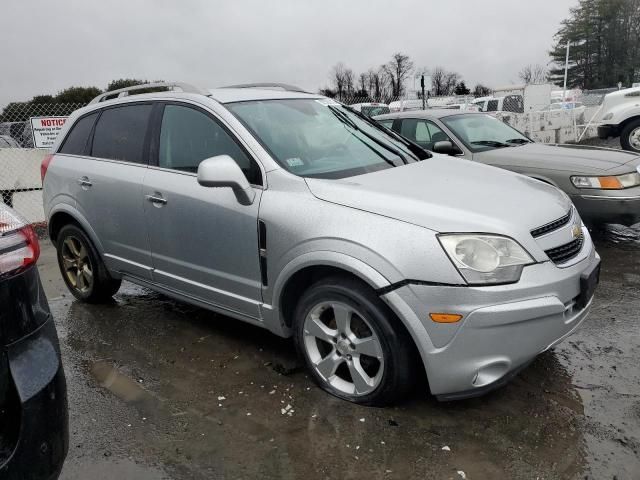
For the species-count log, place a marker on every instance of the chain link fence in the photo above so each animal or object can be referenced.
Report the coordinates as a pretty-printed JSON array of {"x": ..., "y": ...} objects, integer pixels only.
[
  {"x": 591, "y": 98},
  {"x": 27, "y": 130}
]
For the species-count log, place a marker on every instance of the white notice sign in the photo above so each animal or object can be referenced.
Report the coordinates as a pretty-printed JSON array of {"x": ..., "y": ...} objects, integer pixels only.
[{"x": 45, "y": 130}]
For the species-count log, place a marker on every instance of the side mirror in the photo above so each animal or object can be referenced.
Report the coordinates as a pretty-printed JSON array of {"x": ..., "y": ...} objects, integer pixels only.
[
  {"x": 223, "y": 171},
  {"x": 446, "y": 147}
]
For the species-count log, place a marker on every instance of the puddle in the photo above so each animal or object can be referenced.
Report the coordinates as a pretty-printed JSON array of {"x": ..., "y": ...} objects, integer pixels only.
[{"x": 123, "y": 387}]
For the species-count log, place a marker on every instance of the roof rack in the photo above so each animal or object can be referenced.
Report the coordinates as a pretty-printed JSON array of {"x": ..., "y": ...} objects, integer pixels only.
[
  {"x": 269, "y": 86},
  {"x": 123, "y": 92}
]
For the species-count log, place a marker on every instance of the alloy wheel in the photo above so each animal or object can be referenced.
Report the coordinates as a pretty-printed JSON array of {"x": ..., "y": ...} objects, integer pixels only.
[
  {"x": 634, "y": 139},
  {"x": 343, "y": 348},
  {"x": 76, "y": 264}
]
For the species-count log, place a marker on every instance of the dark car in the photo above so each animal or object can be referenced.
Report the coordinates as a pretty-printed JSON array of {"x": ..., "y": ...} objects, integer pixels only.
[{"x": 33, "y": 401}]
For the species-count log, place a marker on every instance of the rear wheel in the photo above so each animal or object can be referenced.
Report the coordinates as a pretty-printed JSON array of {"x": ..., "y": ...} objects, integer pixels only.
[
  {"x": 630, "y": 136},
  {"x": 82, "y": 268},
  {"x": 351, "y": 344}
]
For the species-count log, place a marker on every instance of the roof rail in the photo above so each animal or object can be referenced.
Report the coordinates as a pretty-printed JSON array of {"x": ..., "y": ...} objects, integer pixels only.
[
  {"x": 269, "y": 86},
  {"x": 123, "y": 92}
]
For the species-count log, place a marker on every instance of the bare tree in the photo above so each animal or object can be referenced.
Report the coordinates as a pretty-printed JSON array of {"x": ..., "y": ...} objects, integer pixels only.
[
  {"x": 338, "y": 77},
  {"x": 363, "y": 81},
  {"x": 443, "y": 82},
  {"x": 371, "y": 83},
  {"x": 533, "y": 74},
  {"x": 378, "y": 84},
  {"x": 349, "y": 79},
  {"x": 398, "y": 69}
]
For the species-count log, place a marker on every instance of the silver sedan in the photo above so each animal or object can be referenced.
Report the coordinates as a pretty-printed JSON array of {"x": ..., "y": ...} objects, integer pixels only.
[{"x": 604, "y": 184}]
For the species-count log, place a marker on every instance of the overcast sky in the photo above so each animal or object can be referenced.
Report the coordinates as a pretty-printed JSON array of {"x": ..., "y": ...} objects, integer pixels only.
[{"x": 50, "y": 45}]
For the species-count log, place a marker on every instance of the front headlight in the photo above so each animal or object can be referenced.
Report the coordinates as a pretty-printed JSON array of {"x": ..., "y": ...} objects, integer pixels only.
[
  {"x": 608, "y": 183},
  {"x": 608, "y": 116},
  {"x": 485, "y": 259}
]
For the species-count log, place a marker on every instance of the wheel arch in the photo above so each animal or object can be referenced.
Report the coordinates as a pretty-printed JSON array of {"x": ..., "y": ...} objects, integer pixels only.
[
  {"x": 65, "y": 215},
  {"x": 627, "y": 121},
  {"x": 306, "y": 269}
]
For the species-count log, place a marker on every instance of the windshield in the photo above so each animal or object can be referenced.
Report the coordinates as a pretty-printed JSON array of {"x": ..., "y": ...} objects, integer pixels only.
[
  {"x": 320, "y": 138},
  {"x": 484, "y": 132}
]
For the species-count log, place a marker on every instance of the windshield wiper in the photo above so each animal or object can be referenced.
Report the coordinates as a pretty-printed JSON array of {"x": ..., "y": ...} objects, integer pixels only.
[
  {"x": 346, "y": 120},
  {"x": 490, "y": 143},
  {"x": 415, "y": 149},
  {"x": 518, "y": 141}
]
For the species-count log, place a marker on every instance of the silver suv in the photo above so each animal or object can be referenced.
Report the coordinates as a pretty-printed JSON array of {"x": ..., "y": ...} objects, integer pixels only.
[{"x": 292, "y": 212}]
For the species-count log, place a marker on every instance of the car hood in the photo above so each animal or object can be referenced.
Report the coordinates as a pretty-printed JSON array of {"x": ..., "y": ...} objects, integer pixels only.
[
  {"x": 571, "y": 158},
  {"x": 445, "y": 194}
]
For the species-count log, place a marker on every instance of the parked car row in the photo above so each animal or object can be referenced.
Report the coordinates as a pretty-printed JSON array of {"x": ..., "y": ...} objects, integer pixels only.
[{"x": 297, "y": 214}]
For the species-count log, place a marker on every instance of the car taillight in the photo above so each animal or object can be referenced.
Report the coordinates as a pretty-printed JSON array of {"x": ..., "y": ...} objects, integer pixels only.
[
  {"x": 19, "y": 247},
  {"x": 44, "y": 165}
]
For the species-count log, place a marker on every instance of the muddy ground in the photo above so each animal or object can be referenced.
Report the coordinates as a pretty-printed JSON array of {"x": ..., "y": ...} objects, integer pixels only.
[{"x": 163, "y": 390}]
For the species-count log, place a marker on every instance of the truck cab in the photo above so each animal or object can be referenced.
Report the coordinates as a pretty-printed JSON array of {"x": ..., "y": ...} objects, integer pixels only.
[{"x": 620, "y": 117}]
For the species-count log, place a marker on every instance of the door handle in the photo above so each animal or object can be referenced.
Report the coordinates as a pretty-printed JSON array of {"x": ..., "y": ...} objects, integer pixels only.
[
  {"x": 156, "y": 200},
  {"x": 84, "y": 182}
]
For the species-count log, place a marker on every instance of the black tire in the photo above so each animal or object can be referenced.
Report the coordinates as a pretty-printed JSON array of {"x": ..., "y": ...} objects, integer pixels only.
[
  {"x": 396, "y": 344},
  {"x": 625, "y": 134},
  {"x": 102, "y": 286}
]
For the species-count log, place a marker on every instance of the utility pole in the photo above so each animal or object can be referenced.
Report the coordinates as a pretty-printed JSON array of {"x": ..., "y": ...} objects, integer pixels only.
[{"x": 566, "y": 72}]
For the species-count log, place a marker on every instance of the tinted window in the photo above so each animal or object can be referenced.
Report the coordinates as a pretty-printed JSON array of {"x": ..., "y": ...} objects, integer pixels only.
[
  {"x": 188, "y": 136},
  {"x": 76, "y": 141},
  {"x": 513, "y": 103},
  {"x": 120, "y": 133},
  {"x": 492, "y": 106}
]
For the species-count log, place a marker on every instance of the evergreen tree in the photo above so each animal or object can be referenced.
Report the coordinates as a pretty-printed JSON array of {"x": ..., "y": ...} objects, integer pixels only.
[{"x": 604, "y": 38}]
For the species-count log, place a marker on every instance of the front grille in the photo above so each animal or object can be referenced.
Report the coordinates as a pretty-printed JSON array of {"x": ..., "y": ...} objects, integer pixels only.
[
  {"x": 550, "y": 227},
  {"x": 567, "y": 251}
]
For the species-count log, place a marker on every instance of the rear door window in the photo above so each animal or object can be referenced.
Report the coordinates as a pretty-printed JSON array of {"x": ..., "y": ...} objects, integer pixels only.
[
  {"x": 120, "y": 133},
  {"x": 78, "y": 138}
]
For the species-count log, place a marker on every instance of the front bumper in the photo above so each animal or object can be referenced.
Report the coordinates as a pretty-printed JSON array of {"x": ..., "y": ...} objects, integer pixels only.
[
  {"x": 38, "y": 404},
  {"x": 503, "y": 327},
  {"x": 606, "y": 131},
  {"x": 603, "y": 207}
]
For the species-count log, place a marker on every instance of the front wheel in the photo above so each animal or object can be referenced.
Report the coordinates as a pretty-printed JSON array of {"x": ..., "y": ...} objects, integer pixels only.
[
  {"x": 351, "y": 344},
  {"x": 630, "y": 136}
]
